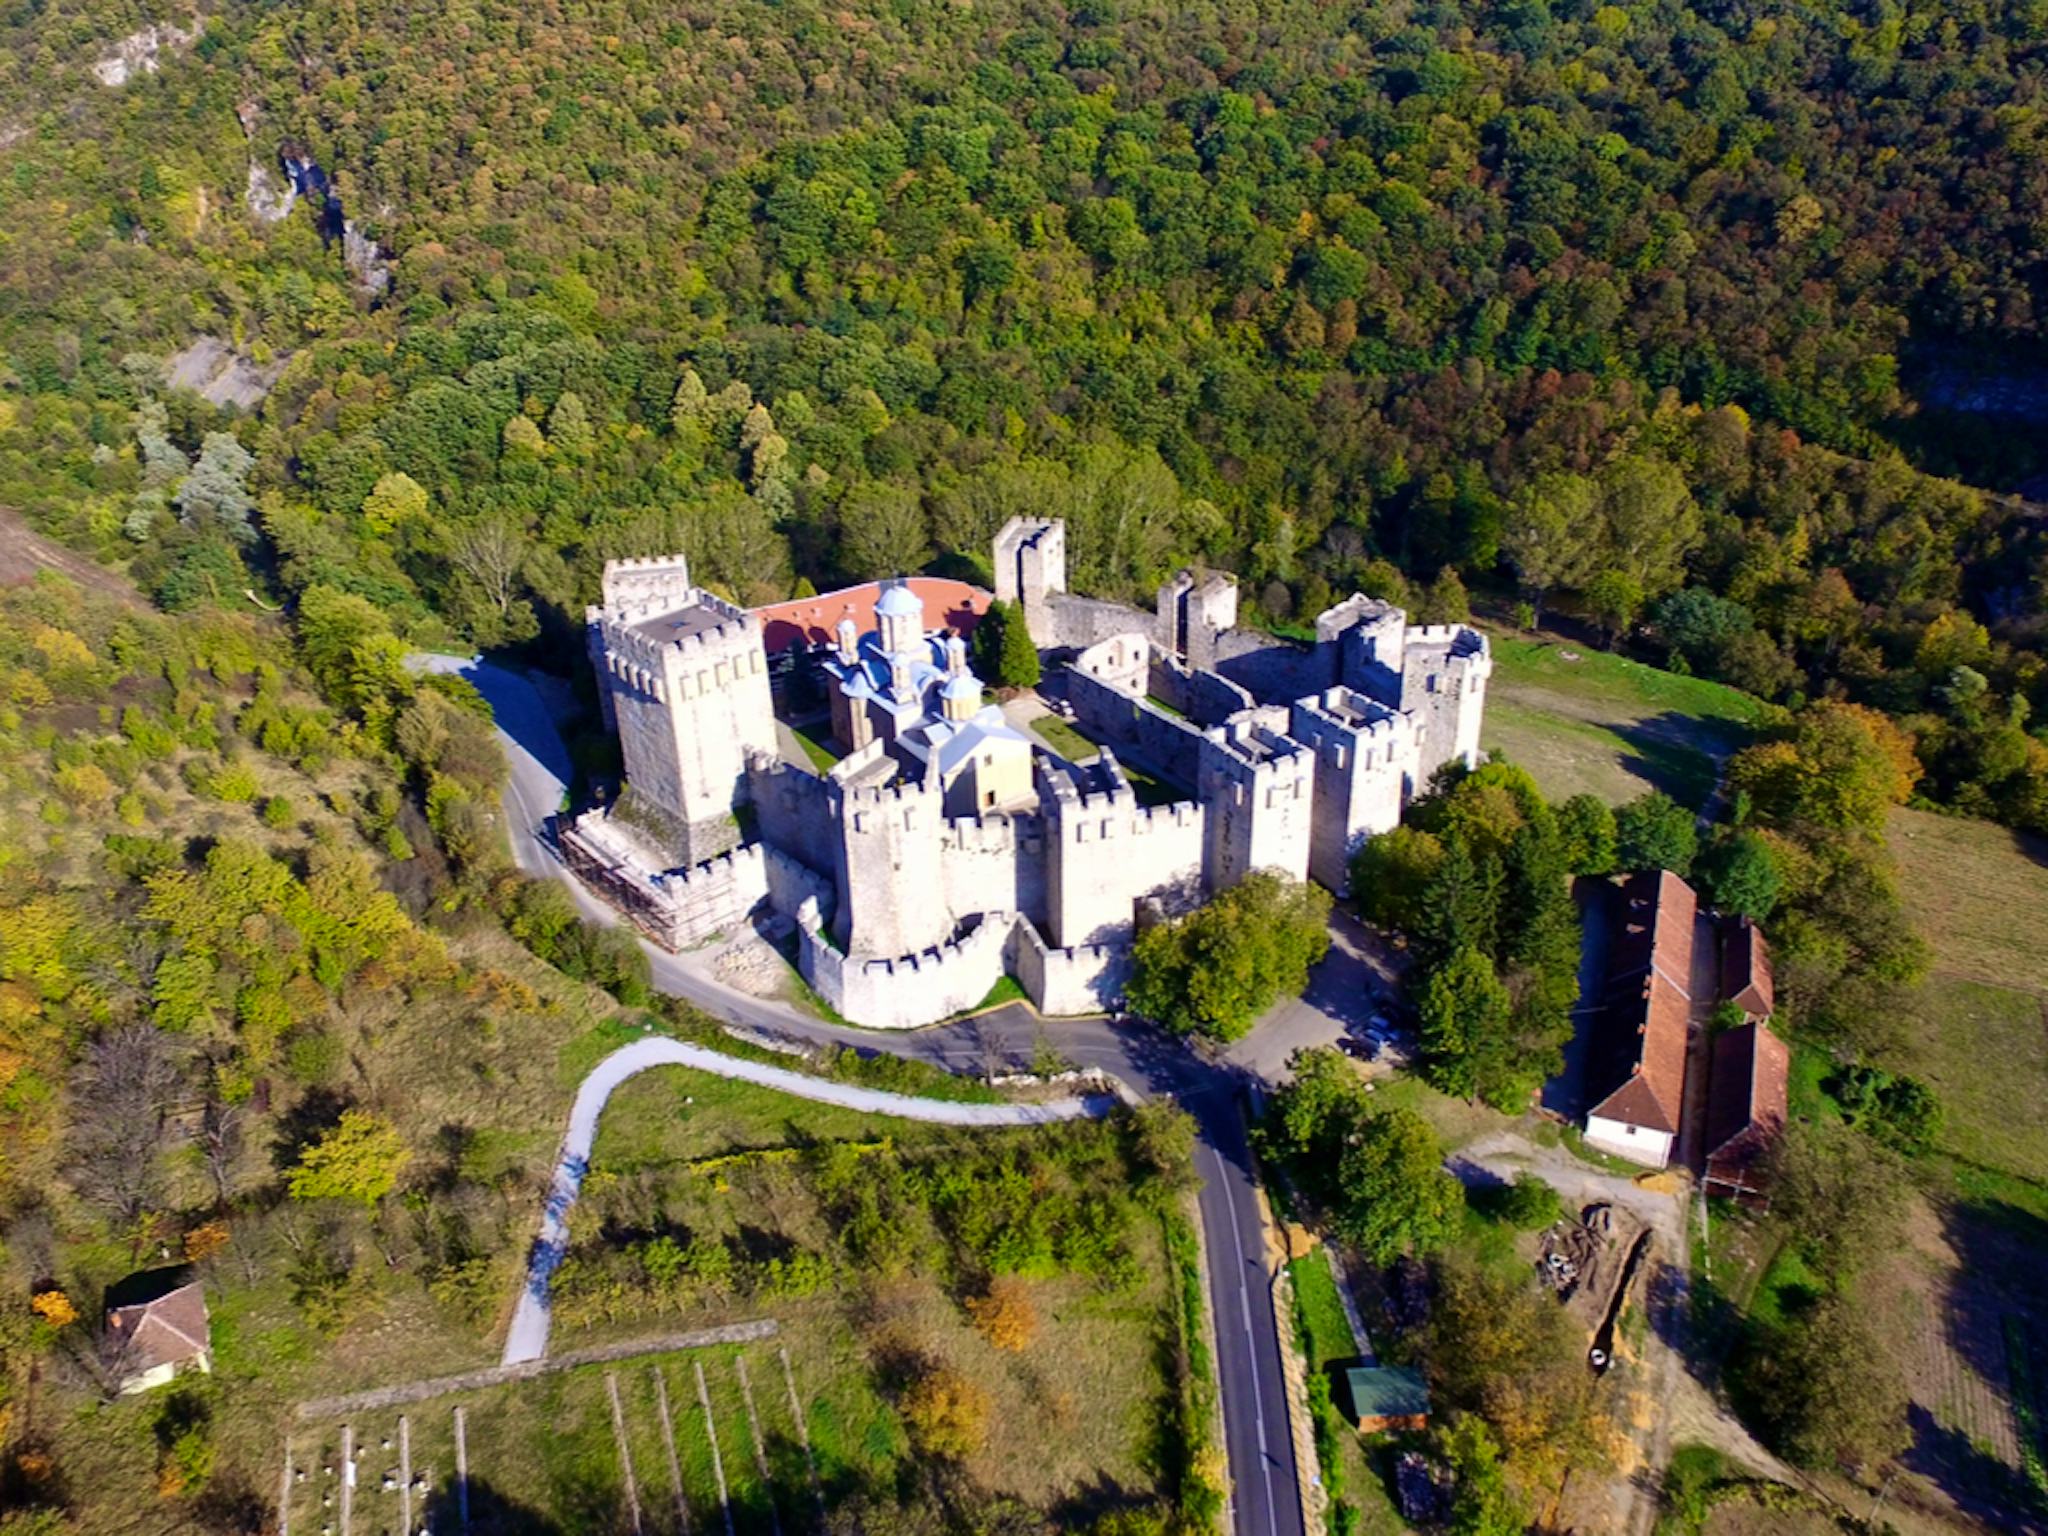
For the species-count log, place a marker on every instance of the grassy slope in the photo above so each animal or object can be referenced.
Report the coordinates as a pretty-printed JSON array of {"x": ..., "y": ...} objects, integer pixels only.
[
  {"x": 1608, "y": 726},
  {"x": 1977, "y": 893}
]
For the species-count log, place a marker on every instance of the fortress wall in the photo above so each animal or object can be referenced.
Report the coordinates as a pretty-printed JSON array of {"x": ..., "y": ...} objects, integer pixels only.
[
  {"x": 677, "y": 909},
  {"x": 1443, "y": 687},
  {"x": 1138, "y": 730},
  {"x": 791, "y": 884},
  {"x": 1165, "y": 849},
  {"x": 910, "y": 990},
  {"x": 1364, "y": 754},
  {"x": 892, "y": 872},
  {"x": 1270, "y": 668},
  {"x": 1088, "y": 978},
  {"x": 793, "y": 812},
  {"x": 1203, "y": 697},
  {"x": 995, "y": 863},
  {"x": 1075, "y": 623}
]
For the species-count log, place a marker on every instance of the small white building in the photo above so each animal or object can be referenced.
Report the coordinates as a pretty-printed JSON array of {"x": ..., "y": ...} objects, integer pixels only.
[{"x": 154, "y": 1342}]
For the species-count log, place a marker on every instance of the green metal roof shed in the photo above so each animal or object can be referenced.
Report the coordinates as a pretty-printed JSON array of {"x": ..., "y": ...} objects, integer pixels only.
[{"x": 1384, "y": 1396}]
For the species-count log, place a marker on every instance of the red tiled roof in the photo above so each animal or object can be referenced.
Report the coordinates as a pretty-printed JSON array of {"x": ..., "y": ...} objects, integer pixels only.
[
  {"x": 1746, "y": 1102},
  {"x": 953, "y": 605},
  {"x": 1650, "y": 996},
  {"x": 1746, "y": 970},
  {"x": 168, "y": 1331}
]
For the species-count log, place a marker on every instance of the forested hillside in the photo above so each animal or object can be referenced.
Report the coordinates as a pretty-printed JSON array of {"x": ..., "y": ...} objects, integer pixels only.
[{"x": 1644, "y": 311}]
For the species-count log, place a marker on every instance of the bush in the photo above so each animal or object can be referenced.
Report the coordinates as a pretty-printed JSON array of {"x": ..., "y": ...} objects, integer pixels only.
[
  {"x": 1005, "y": 1316},
  {"x": 946, "y": 1414},
  {"x": 1528, "y": 1204}
]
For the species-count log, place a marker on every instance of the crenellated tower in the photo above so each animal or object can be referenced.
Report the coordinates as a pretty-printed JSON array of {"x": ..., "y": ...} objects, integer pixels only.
[{"x": 685, "y": 680}]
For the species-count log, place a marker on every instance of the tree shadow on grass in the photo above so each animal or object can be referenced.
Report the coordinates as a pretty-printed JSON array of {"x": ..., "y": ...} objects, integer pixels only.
[
  {"x": 489, "y": 1513},
  {"x": 1995, "y": 1312},
  {"x": 1679, "y": 755},
  {"x": 1980, "y": 1483}
]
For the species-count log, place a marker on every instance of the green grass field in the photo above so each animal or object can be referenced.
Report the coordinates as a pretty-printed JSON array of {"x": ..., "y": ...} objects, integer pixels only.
[
  {"x": 1977, "y": 893},
  {"x": 1605, "y": 725},
  {"x": 1322, "y": 1313},
  {"x": 673, "y": 1115},
  {"x": 818, "y": 745}
]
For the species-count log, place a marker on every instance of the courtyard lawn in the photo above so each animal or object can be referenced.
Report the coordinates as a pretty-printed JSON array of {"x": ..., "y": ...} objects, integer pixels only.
[
  {"x": 1608, "y": 726},
  {"x": 819, "y": 747}
]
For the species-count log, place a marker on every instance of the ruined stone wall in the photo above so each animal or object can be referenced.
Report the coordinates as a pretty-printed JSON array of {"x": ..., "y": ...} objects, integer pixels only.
[
  {"x": 1272, "y": 669},
  {"x": 1122, "y": 661},
  {"x": 1203, "y": 697},
  {"x": 1075, "y": 623}
]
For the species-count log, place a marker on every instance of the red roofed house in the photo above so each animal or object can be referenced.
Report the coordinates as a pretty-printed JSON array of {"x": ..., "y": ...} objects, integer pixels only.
[
  {"x": 1649, "y": 1013},
  {"x": 813, "y": 621},
  {"x": 155, "y": 1340},
  {"x": 1746, "y": 1100},
  {"x": 1746, "y": 970}
]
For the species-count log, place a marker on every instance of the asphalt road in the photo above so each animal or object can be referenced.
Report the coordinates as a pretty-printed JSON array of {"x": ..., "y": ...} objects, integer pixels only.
[{"x": 1265, "y": 1480}]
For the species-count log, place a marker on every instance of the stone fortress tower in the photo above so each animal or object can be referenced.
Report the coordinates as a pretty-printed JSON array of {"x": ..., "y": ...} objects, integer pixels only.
[
  {"x": 684, "y": 679},
  {"x": 947, "y": 848}
]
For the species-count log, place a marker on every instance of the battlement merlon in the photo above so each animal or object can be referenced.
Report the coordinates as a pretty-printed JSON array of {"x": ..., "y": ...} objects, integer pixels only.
[
  {"x": 1342, "y": 713},
  {"x": 1087, "y": 788},
  {"x": 641, "y": 581},
  {"x": 1459, "y": 641},
  {"x": 703, "y": 631}
]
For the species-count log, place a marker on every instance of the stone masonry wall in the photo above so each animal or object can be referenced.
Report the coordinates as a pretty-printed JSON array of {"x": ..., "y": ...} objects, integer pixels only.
[
  {"x": 1203, "y": 697},
  {"x": 1141, "y": 732},
  {"x": 995, "y": 862},
  {"x": 1273, "y": 669},
  {"x": 1088, "y": 978},
  {"x": 906, "y": 991}
]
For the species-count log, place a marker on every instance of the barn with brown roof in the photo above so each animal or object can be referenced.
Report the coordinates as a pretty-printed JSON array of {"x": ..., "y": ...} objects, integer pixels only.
[
  {"x": 1746, "y": 970},
  {"x": 1640, "y": 1076},
  {"x": 1746, "y": 1108}
]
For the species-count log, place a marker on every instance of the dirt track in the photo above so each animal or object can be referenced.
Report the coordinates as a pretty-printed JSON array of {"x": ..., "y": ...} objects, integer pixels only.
[{"x": 24, "y": 553}]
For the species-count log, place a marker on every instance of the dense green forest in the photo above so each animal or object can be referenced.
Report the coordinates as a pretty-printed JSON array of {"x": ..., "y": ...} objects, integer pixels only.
[{"x": 1664, "y": 314}]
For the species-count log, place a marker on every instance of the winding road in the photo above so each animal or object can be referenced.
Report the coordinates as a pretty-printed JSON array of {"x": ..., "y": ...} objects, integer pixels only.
[
  {"x": 1265, "y": 1495},
  {"x": 528, "y": 1336}
]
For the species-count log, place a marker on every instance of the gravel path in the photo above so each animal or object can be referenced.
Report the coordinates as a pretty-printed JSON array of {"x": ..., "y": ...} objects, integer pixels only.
[{"x": 528, "y": 1338}]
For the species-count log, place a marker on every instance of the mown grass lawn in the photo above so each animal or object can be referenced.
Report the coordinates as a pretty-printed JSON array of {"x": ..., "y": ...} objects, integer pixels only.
[{"x": 1605, "y": 725}]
